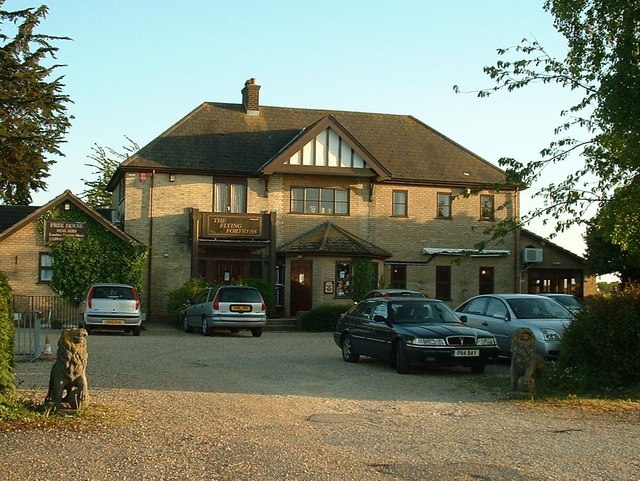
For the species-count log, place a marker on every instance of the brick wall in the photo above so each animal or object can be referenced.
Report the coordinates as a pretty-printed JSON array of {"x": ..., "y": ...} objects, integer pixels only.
[
  {"x": 20, "y": 260},
  {"x": 405, "y": 237}
]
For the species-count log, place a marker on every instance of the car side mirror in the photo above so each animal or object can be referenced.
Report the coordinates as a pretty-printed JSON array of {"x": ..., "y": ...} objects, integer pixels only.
[
  {"x": 463, "y": 319},
  {"x": 379, "y": 318}
]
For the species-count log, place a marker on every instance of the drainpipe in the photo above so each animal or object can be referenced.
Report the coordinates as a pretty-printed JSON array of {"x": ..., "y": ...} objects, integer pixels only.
[
  {"x": 517, "y": 275},
  {"x": 150, "y": 261}
]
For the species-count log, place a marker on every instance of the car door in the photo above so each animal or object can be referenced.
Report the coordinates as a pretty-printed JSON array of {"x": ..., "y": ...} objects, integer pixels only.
[
  {"x": 498, "y": 322},
  {"x": 195, "y": 310},
  {"x": 474, "y": 311},
  {"x": 359, "y": 327},
  {"x": 380, "y": 333}
]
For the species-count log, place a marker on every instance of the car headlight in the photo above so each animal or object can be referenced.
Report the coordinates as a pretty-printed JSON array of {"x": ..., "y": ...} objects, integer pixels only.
[
  {"x": 550, "y": 334},
  {"x": 426, "y": 341},
  {"x": 486, "y": 341}
]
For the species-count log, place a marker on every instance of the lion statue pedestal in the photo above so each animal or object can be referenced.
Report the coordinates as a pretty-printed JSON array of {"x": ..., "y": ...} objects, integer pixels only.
[{"x": 68, "y": 380}]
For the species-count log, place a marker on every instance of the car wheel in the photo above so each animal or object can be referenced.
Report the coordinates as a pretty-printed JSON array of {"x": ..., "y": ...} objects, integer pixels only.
[
  {"x": 205, "y": 328},
  {"x": 256, "y": 332},
  {"x": 136, "y": 330},
  {"x": 186, "y": 327},
  {"x": 402, "y": 361},
  {"x": 348, "y": 354},
  {"x": 477, "y": 369}
]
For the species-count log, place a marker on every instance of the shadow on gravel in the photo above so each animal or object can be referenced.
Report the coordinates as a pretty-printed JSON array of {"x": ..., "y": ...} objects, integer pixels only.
[{"x": 277, "y": 363}]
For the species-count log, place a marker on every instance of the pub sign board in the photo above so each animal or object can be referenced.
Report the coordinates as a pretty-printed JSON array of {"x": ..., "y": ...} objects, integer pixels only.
[
  {"x": 58, "y": 230},
  {"x": 235, "y": 226}
]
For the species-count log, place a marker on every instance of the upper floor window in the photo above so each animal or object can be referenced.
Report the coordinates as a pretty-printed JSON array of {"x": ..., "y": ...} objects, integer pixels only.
[
  {"x": 314, "y": 200},
  {"x": 229, "y": 197},
  {"x": 45, "y": 272},
  {"x": 487, "y": 208},
  {"x": 444, "y": 205},
  {"x": 399, "y": 203}
]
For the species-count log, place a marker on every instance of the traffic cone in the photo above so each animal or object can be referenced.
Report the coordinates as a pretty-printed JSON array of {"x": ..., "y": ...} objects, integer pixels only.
[{"x": 47, "y": 355}]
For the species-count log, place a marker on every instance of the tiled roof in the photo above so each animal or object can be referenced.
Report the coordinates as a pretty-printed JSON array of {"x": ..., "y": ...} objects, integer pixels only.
[
  {"x": 12, "y": 214},
  {"x": 14, "y": 217},
  {"x": 221, "y": 138},
  {"x": 330, "y": 239}
]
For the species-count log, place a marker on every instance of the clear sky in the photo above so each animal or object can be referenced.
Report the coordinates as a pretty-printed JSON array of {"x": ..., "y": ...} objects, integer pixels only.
[{"x": 134, "y": 68}]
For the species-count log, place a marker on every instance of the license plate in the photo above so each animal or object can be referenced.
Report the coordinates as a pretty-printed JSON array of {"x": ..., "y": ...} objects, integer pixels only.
[
  {"x": 114, "y": 321},
  {"x": 466, "y": 353},
  {"x": 240, "y": 308}
]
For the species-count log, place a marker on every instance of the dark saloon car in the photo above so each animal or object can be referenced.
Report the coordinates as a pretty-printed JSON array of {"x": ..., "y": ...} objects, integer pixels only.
[{"x": 405, "y": 330}]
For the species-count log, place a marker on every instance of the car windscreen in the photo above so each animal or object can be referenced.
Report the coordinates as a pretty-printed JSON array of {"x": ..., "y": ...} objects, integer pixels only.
[
  {"x": 240, "y": 295},
  {"x": 112, "y": 292},
  {"x": 422, "y": 312},
  {"x": 538, "y": 308},
  {"x": 567, "y": 301}
]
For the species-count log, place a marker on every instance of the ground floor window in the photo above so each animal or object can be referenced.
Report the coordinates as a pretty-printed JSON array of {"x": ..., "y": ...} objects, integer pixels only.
[
  {"x": 223, "y": 271},
  {"x": 45, "y": 273},
  {"x": 398, "y": 276},
  {"x": 443, "y": 283},
  {"x": 486, "y": 280},
  {"x": 564, "y": 281},
  {"x": 343, "y": 279}
]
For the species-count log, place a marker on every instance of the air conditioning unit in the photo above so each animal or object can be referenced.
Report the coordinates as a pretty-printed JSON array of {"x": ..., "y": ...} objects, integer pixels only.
[{"x": 530, "y": 255}]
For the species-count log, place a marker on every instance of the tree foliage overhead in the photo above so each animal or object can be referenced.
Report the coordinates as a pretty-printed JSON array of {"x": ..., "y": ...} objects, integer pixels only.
[
  {"x": 106, "y": 161},
  {"x": 33, "y": 113},
  {"x": 601, "y": 132}
]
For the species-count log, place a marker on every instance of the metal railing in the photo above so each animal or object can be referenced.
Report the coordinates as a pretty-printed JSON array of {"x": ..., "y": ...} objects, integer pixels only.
[
  {"x": 55, "y": 312},
  {"x": 31, "y": 314}
]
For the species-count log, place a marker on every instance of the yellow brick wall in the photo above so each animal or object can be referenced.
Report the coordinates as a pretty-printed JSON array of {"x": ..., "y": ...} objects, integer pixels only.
[
  {"x": 369, "y": 218},
  {"x": 20, "y": 260}
]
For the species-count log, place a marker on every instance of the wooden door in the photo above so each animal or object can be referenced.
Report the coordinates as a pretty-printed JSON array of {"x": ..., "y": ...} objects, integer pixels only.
[{"x": 301, "y": 282}]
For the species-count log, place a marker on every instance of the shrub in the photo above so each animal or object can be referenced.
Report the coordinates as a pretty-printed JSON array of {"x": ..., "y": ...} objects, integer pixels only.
[
  {"x": 7, "y": 386},
  {"x": 600, "y": 348},
  {"x": 323, "y": 318},
  {"x": 178, "y": 298}
]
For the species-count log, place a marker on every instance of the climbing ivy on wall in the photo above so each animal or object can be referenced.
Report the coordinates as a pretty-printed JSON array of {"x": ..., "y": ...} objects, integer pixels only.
[
  {"x": 363, "y": 277},
  {"x": 100, "y": 257}
]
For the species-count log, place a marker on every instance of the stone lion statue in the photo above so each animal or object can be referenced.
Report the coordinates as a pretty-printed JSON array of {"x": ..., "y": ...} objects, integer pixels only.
[
  {"x": 68, "y": 379},
  {"x": 526, "y": 363}
]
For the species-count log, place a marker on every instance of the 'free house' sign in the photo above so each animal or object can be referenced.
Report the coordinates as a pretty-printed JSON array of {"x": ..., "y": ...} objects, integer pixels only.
[{"x": 56, "y": 231}]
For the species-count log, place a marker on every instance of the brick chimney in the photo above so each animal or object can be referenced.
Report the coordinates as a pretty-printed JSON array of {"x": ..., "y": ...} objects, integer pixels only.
[{"x": 251, "y": 96}]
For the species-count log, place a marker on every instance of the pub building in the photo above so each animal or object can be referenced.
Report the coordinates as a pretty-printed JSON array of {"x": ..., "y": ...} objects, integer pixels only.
[{"x": 297, "y": 197}]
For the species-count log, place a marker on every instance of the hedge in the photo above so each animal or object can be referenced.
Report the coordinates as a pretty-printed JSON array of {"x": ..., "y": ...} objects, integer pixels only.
[{"x": 7, "y": 333}]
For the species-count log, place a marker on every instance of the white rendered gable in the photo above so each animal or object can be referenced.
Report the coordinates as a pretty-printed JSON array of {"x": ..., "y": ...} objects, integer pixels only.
[{"x": 328, "y": 149}]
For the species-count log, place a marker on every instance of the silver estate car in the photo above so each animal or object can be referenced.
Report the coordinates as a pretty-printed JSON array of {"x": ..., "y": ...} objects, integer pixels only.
[
  {"x": 503, "y": 314},
  {"x": 230, "y": 308}
]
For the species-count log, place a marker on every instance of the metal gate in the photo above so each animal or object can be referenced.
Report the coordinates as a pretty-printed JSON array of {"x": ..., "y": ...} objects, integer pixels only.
[
  {"x": 28, "y": 335},
  {"x": 33, "y": 315}
]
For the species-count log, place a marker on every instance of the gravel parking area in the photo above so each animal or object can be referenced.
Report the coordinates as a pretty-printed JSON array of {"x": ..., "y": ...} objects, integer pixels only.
[{"x": 286, "y": 407}]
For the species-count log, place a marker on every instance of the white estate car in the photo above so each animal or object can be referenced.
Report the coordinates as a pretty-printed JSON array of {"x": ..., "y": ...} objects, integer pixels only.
[{"x": 111, "y": 306}]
